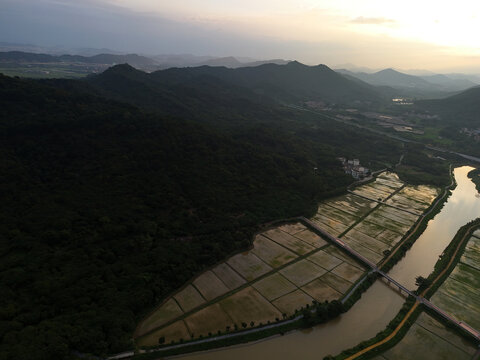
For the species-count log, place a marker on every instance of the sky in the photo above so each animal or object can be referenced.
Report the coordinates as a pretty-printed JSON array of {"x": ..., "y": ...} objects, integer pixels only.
[{"x": 421, "y": 34}]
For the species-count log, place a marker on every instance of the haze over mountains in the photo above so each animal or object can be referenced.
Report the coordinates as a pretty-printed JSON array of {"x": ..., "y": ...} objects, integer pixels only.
[
  {"x": 432, "y": 84},
  {"x": 388, "y": 82},
  {"x": 147, "y": 178}
]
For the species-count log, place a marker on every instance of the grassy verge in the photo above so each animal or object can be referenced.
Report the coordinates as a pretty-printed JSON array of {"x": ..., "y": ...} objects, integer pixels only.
[
  {"x": 390, "y": 329},
  {"x": 311, "y": 315},
  {"x": 448, "y": 260},
  {"x": 442, "y": 270}
]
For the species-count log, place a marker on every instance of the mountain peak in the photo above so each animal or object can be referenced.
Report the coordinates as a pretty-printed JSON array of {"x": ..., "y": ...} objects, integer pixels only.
[{"x": 121, "y": 69}]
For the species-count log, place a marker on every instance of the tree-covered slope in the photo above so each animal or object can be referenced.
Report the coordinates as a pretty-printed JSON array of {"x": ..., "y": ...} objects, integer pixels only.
[
  {"x": 106, "y": 209},
  {"x": 459, "y": 110},
  {"x": 293, "y": 82}
]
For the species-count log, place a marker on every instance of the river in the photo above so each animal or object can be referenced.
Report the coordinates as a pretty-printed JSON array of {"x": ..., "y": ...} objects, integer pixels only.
[{"x": 379, "y": 304}]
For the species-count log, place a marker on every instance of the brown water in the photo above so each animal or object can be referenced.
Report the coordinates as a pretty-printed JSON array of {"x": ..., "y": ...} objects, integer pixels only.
[
  {"x": 462, "y": 206},
  {"x": 379, "y": 304}
]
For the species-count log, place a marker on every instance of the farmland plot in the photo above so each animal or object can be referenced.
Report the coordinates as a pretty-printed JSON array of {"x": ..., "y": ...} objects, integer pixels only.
[
  {"x": 337, "y": 215},
  {"x": 354, "y": 205},
  {"x": 420, "y": 193},
  {"x": 332, "y": 250},
  {"x": 389, "y": 237},
  {"x": 369, "y": 228},
  {"x": 336, "y": 282},
  {"x": 387, "y": 223},
  {"x": 371, "y": 192},
  {"x": 325, "y": 260},
  {"x": 288, "y": 303},
  {"x": 311, "y": 238},
  {"x": 294, "y": 244},
  {"x": 208, "y": 320},
  {"x": 248, "y": 305},
  {"x": 248, "y": 265},
  {"x": 366, "y": 241},
  {"x": 274, "y": 286},
  {"x": 422, "y": 343},
  {"x": 407, "y": 204},
  {"x": 387, "y": 212},
  {"x": 459, "y": 294},
  {"x": 394, "y": 185},
  {"x": 209, "y": 285},
  {"x": 364, "y": 251},
  {"x": 173, "y": 332},
  {"x": 348, "y": 272},
  {"x": 189, "y": 298},
  {"x": 293, "y": 228},
  {"x": 321, "y": 291},
  {"x": 333, "y": 227},
  {"x": 228, "y": 276},
  {"x": 165, "y": 313},
  {"x": 270, "y": 252},
  {"x": 302, "y": 272}
]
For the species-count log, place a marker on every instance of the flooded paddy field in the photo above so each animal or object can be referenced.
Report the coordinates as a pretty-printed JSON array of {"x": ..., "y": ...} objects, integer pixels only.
[
  {"x": 288, "y": 267},
  {"x": 429, "y": 339},
  {"x": 459, "y": 295},
  {"x": 379, "y": 304}
]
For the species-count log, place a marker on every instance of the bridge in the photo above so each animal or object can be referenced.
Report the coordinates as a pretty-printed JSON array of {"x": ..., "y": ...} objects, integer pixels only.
[{"x": 475, "y": 333}]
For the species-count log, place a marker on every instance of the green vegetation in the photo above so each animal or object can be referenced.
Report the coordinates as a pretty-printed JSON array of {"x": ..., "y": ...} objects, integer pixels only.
[
  {"x": 447, "y": 255},
  {"x": 107, "y": 208},
  {"x": 461, "y": 109},
  {"x": 475, "y": 176},
  {"x": 419, "y": 167},
  {"x": 429, "y": 339},
  {"x": 407, "y": 306},
  {"x": 314, "y": 314}
]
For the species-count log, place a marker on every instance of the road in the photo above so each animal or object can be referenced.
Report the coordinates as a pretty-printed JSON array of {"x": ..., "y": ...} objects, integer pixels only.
[{"x": 392, "y": 136}]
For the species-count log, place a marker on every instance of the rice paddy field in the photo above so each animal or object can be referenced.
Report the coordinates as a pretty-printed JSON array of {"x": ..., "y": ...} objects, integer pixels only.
[
  {"x": 398, "y": 208},
  {"x": 429, "y": 339},
  {"x": 459, "y": 294},
  {"x": 290, "y": 265}
]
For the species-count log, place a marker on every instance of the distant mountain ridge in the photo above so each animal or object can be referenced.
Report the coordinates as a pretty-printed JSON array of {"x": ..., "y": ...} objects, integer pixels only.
[
  {"x": 433, "y": 84},
  {"x": 108, "y": 59},
  {"x": 150, "y": 63},
  {"x": 292, "y": 82}
]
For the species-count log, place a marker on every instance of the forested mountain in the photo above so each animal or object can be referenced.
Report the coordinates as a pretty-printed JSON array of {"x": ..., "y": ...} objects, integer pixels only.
[
  {"x": 459, "y": 110},
  {"x": 292, "y": 82},
  {"x": 106, "y": 208}
]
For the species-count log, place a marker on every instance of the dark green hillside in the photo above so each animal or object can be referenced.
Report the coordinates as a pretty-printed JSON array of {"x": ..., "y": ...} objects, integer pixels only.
[
  {"x": 201, "y": 97},
  {"x": 459, "y": 110},
  {"x": 293, "y": 82},
  {"x": 106, "y": 209}
]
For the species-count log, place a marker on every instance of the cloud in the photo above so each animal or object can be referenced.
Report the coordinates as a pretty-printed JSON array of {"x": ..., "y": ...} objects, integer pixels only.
[{"x": 372, "y": 20}]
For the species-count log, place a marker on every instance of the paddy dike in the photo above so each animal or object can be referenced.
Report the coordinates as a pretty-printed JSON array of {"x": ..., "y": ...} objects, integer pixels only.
[
  {"x": 379, "y": 304},
  {"x": 289, "y": 266}
]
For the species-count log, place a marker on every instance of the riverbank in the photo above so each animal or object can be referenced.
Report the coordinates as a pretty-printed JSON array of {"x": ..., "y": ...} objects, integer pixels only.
[{"x": 412, "y": 308}]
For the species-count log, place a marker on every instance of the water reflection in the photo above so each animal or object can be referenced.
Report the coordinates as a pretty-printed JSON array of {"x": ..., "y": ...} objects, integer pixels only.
[{"x": 462, "y": 207}]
